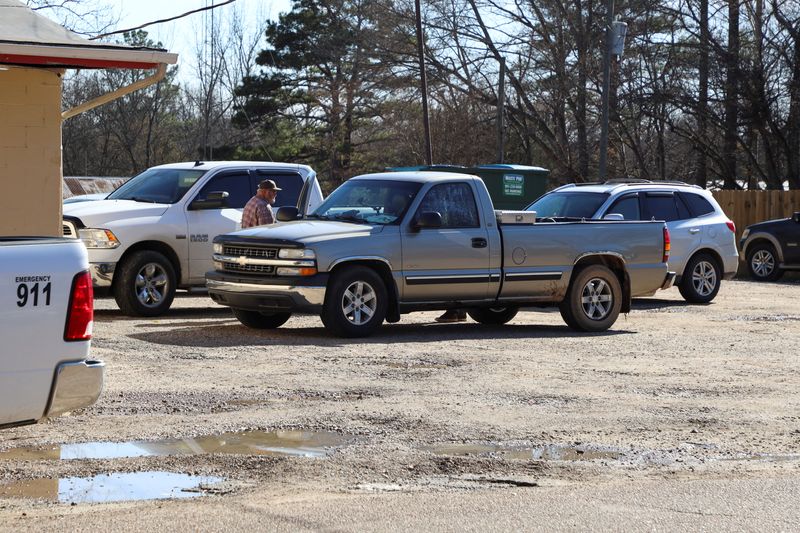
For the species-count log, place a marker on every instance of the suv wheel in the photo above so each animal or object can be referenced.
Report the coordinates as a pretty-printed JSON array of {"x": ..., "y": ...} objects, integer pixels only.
[
  {"x": 256, "y": 320},
  {"x": 493, "y": 316},
  {"x": 145, "y": 284},
  {"x": 593, "y": 300},
  {"x": 701, "y": 279},
  {"x": 762, "y": 262}
]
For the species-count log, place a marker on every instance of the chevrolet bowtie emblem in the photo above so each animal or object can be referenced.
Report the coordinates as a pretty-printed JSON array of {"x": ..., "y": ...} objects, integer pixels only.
[{"x": 242, "y": 260}]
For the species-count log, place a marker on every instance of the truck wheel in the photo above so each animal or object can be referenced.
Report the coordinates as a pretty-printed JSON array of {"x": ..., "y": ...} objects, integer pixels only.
[
  {"x": 593, "y": 300},
  {"x": 493, "y": 316},
  {"x": 256, "y": 320},
  {"x": 145, "y": 284},
  {"x": 355, "y": 302},
  {"x": 701, "y": 279},
  {"x": 762, "y": 263}
]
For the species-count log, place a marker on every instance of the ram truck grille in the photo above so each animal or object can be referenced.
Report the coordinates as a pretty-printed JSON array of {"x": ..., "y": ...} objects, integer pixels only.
[{"x": 68, "y": 230}]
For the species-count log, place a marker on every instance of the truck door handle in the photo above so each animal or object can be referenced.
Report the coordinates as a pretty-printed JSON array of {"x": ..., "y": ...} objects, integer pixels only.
[
  {"x": 694, "y": 230},
  {"x": 479, "y": 242}
]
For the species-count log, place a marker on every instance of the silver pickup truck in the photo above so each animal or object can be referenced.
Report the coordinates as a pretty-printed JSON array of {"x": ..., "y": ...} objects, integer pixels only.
[{"x": 386, "y": 244}]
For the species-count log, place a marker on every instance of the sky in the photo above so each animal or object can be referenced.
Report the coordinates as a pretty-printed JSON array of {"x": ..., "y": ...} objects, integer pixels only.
[{"x": 181, "y": 36}]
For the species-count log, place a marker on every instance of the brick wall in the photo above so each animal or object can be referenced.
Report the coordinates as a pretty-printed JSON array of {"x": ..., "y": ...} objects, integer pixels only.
[{"x": 30, "y": 151}]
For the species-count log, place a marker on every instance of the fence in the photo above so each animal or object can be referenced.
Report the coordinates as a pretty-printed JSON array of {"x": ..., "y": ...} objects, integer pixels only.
[
  {"x": 749, "y": 207},
  {"x": 74, "y": 186}
]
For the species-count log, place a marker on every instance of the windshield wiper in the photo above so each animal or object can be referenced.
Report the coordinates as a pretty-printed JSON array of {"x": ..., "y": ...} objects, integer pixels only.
[
  {"x": 351, "y": 217},
  {"x": 140, "y": 199}
]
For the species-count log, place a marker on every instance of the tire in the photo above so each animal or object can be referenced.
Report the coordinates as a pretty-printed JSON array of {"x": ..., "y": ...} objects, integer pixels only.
[
  {"x": 701, "y": 279},
  {"x": 256, "y": 320},
  {"x": 355, "y": 302},
  {"x": 145, "y": 284},
  {"x": 593, "y": 301},
  {"x": 493, "y": 316},
  {"x": 762, "y": 262}
]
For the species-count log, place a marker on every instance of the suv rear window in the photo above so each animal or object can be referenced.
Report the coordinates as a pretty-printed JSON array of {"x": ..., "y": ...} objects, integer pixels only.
[
  {"x": 698, "y": 205},
  {"x": 568, "y": 204},
  {"x": 661, "y": 207}
]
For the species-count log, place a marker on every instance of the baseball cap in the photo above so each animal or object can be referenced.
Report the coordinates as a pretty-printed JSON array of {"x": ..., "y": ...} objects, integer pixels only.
[{"x": 269, "y": 185}]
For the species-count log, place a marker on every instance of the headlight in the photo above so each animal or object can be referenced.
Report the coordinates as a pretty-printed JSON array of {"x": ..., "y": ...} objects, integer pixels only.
[
  {"x": 745, "y": 233},
  {"x": 296, "y": 271},
  {"x": 217, "y": 248},
  {"x": 98, "y": 238},
  {"x": 296, "y": 253}
]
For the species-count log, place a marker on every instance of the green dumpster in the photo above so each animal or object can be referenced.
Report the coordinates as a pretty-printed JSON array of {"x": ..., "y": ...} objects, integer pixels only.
[{"x": 510, "y": 186}]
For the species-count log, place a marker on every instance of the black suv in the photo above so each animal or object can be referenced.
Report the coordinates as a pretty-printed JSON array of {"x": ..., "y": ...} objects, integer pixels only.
[{"x": 772, "y": 247}]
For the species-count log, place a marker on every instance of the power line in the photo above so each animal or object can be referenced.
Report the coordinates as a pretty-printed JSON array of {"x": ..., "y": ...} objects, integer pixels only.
[{"x": 161, "y": 20}]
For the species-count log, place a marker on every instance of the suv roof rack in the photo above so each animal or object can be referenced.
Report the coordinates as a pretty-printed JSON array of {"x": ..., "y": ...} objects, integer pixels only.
[{"x": 636, "y": 181}]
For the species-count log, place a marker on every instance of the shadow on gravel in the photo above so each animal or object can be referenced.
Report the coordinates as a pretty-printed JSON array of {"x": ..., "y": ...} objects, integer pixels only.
[
  {"x": 644, "y": 304},
  {"x": 236, "y": 335},
  {"x": 206, "y": 312}
]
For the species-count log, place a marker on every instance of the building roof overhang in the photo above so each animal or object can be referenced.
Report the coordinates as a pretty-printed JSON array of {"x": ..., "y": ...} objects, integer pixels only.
[{"x": 30, "y": 39}]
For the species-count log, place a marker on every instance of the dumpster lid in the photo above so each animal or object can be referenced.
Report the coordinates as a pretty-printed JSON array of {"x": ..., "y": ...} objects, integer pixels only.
[{"x": 512, "y": 167}]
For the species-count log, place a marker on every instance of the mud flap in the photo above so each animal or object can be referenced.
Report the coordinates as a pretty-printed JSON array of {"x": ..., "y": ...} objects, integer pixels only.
[{"x": 626, "y": 295}]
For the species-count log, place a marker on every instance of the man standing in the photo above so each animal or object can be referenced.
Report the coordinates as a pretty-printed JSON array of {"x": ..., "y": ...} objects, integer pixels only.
[{"x": 258, "y": 210}]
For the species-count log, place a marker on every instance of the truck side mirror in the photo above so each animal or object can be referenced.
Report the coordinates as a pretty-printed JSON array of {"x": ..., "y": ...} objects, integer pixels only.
[
  {"x": 214, "y": 200},
  {"x": 796, "y": 216},
  {"x": 287, "y": 213},
  {"x": 427, "y": 220}
]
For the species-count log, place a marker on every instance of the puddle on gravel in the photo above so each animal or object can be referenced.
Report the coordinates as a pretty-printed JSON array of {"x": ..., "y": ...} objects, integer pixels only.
[
  {"x": 111, "y": 487},
  {"x": 550, "y": 452},
  {"x": 293, "y": 443}
]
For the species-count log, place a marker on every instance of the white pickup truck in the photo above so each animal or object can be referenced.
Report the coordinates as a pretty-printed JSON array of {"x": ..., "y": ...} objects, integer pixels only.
[
  {"x": 46, "y": 317},
  {"x": 153, "y": 235}
]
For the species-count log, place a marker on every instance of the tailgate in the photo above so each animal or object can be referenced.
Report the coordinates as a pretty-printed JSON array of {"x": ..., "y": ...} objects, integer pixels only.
[{"x": 35, "y": 281}]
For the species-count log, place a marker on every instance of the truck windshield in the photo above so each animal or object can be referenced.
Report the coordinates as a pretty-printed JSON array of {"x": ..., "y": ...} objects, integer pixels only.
[
  {"x": 158, "y": 185},
  {"x": 368, "y": 201},
  {"x": 568, "y": 204}
]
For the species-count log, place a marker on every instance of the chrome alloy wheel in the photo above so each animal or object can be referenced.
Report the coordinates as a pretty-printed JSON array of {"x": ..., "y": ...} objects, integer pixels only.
[
  {"x": 704, "y": 278},
  {"x": 359, "y": 302},
  {"x": 152, "y": 284},
  {"x": 597, "y": 299},
  {"x": 763, "y": 263}
]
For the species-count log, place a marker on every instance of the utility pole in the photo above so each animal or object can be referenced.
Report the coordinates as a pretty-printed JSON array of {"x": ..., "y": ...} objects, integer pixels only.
[
  {"x": 606, "y": 90},
  {"x": 501, "y": 102},
  {"x": 426, "y": 125}
]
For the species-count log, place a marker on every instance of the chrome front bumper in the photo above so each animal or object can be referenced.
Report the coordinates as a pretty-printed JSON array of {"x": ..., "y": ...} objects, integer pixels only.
[
  {"x": 260, "y": 297},
  {"x": 75, "y": 385},
  {"x": 102, "y": 273}
]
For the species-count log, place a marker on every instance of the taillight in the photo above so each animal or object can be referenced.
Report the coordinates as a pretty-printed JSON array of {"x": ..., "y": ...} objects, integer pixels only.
[
  {"x": 80, "y": 311},
  {"x": 731, "y": 226},
  {"x": 665, "y": 256}
]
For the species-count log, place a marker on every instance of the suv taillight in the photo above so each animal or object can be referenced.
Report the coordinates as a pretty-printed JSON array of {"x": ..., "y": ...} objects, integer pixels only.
[
  {"x": 731, "y": 226},
  {"x": 665, "y": 256},
  {"x": 80, "y": 311}
]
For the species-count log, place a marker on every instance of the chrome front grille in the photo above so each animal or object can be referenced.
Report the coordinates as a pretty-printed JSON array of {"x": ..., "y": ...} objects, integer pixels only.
[
  {"x": 249, "y": 251},
  {"x": 259, "y": 269}
]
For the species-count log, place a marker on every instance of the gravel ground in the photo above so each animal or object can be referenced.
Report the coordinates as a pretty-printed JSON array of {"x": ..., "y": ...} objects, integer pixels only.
[{"x": 674, "y": 398}]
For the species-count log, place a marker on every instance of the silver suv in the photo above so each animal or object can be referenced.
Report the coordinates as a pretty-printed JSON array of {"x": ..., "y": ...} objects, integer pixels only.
[{"x": 703, "y": 238}]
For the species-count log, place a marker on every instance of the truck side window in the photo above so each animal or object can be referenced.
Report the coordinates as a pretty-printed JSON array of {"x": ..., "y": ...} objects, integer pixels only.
[
  {"x": 455, "y": 202},
  {"x": 236, "y": 185},
  {"x": 290, "y": 184},
  {"x": 628, "y": 207}
]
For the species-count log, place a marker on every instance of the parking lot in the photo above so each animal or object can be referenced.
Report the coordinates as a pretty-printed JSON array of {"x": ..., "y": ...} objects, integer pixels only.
[{"x": 689, "y": 415}]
